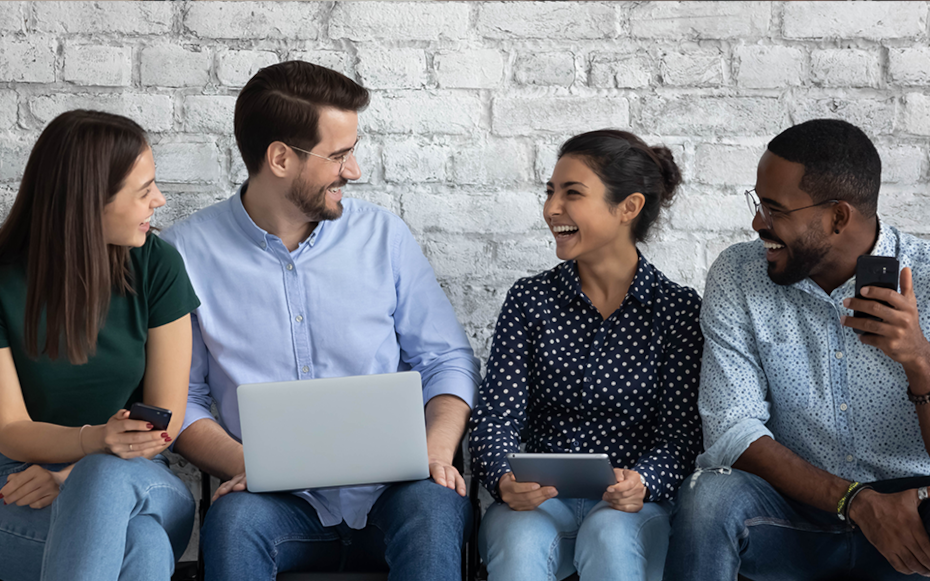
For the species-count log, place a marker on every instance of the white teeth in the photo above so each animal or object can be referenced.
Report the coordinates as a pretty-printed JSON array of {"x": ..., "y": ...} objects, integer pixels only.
[
  {"x": 147, "y": 220},
  {"x": 771, "y": 245},
  {"x": 561, "y": 229}
]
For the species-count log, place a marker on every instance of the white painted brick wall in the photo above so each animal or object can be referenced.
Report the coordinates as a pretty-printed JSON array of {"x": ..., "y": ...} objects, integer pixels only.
[{"x": 470, "y": 101}]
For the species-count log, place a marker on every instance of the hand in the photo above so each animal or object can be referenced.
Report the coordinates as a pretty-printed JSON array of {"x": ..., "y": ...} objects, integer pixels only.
[
  {"x": 119, "y": 433},
  {"x": 235, "y": 484},
  {"x": 898, "y": 334},
  {"x": 892, "y": 524},
  {"x": 523, "y": 495},
  {"x": 446, "y": 475},
  {"x": 628, "y": 494},
  {"x": 35, "y": 487}
]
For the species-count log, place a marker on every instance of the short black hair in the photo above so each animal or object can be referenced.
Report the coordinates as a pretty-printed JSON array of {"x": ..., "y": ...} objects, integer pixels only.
[
  {"x": 282, "y": 102},
  {"x": 840, "y": 162}
]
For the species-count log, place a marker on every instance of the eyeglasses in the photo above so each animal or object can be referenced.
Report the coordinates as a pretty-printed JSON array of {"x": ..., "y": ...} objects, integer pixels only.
[
  {"x": 757, "y": 207},
  {"x": 341, "y": 160}
]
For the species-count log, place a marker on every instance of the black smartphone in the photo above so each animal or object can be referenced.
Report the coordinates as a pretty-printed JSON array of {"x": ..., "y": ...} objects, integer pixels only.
[
  {"x": 880, "y": 271},
  {"x": 158, "y": 417}
]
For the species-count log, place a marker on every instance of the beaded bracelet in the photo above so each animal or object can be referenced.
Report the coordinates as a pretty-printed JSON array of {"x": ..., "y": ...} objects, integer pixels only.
[{"x": 918, "y": 399}]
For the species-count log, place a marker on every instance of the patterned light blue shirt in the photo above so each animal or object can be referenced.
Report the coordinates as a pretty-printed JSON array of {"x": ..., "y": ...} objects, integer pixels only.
[
  {"x": 778, "y": 363},
  {"x": 356, "y": 298}
]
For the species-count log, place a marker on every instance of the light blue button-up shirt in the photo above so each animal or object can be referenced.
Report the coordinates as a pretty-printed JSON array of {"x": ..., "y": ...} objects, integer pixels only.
[
  {"x": 778, "y": 363},
  {"x": 356, "y": 298}
]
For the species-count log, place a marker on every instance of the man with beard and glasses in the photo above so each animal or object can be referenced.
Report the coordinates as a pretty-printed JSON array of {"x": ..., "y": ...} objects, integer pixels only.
[
  {"x": 298, "y": 283},
  {"x": 816, "y": 437}
]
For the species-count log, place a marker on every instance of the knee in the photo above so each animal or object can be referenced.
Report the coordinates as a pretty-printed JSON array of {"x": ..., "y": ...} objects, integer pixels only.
[
  {"x": 100, "y": 472},
  {"x": 431, "y": 505},
  {"x": 233, "y": 519},
  {"x": 713, "y": 497}
]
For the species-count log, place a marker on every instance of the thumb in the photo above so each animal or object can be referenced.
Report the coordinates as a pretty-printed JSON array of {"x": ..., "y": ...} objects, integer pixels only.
[{"x": 907, "y": 282}]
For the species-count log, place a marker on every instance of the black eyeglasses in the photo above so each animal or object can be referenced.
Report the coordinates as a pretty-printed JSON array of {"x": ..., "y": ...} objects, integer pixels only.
[{"x": 757, "y": 207}]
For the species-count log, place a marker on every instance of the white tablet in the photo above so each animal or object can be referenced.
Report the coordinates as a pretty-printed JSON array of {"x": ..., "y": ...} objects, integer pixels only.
[{"x": 573, "y": 475}]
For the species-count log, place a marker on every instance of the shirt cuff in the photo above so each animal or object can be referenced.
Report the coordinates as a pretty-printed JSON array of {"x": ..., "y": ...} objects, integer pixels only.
[
  {"x": 731, "y": 445},
  {"x": 451, "y": 382},
  {"x": 193, "y": 413}
]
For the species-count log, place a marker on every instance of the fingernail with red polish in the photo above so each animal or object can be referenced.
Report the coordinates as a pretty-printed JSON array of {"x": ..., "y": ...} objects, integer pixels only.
[
  {"x": 149, "y": 426},
  {"x": 164, "y": 434},
  {"x": 167, "y": 439}
]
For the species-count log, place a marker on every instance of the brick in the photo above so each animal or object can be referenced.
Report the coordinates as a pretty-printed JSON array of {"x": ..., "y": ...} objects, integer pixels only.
[
  {"x": 714, "y": 115},
  {"x": 872, "y": 116},
  {"x": 694, "y": 211},
  {"x": 8, "y": 109},
  {"x": 547, "y": 155},
  {"x": 906, "y": 210},
  {"x": 909, "y": 66},
  {"x": 153, "y": 112},
  {"x": 13, "y": 17},
  {"x": 873, "y": 20},
  {"x": 182, "y": 201},
  {"x": 700, "y": 20},
  {"x": 520, "y": 115},
  {"x": 460, "y": 212},
  {"x": 368, "y": 155},
  {"x": 457, "y": 255},
  {"x": 720, "y": 164},
  {"x": 397, "y": 68},
  {"x": 694, "y": 67},
  {"x": 398, "y": 21},
  {"x": 104, "y": 17},
  {"x": 175, "y": 66},
  {"x": 104, "y": 66},
  {"x": 469, "y": 69},
  {"x": 494, "y": 162},
  {"x": 525, "y": 256},
  {"x": 916, "y": 116},
  {"x": 237, "y": 170},
  {"x": 7, "y": 197},
  {"x": 411, "y": 162},
  {"x": 769, "y": 67},
  {"x": 678, "y": 255},
  {"x": 187, "y": 163},
  {"x": 234, "y": 68},
  {"x": 335, "y": 60},
  {"x": 28, "y": 61},
  {"x": 258, "y": 20},
  {"x": 545, "y": 69},
  {"x": 622, "y": 70},
  {"x": 902, "y": 164},
  {"x": 547, "y": 20},
  {"x": 846, "y": 68},
  {"x": 14, "y": 153},
  {"x": 422, "y": 112},
  {"x": 209, "y": 114}
]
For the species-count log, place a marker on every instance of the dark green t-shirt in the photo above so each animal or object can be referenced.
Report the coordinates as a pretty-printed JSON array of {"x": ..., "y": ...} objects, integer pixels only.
[{"x": 60, "y": 393}]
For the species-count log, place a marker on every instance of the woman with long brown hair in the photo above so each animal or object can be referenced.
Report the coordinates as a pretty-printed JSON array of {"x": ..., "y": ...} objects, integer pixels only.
[{"x": 94, "y": 316}]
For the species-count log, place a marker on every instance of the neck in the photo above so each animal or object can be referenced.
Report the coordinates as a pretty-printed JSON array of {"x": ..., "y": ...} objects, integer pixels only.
[
  {"x": 840, "y": 265},
  {"x": 268, "y": 206},
  {"x": 608, "y": 277}
]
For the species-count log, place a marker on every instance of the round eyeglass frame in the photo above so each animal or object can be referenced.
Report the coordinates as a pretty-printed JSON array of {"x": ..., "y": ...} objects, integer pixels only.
[
  {"x": 341, "y": 160},
  {"x": 757, "y": 207}
]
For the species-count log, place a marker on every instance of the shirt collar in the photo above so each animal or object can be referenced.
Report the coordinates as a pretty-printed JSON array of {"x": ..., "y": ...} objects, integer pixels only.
[
  {"x": 568, "y": 283},
  {"x": 887, "y": 242},
  {"x": 255, "y": 233}
]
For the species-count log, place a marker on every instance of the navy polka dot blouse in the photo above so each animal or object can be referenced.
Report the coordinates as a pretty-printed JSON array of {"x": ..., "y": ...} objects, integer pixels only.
[{"x": 562, "y": 379}]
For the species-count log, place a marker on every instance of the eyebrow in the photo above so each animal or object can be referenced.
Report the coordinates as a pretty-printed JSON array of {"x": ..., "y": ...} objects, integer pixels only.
[
  {"x": 146, "y": 184},
  {"x": 567, "y": 184},
  {"x": 770, "y": 202},
  {"x": 345, "y": 150}
]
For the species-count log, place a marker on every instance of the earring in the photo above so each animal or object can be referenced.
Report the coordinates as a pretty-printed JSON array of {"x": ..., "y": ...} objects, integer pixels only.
[{"x": 836, "y": 231}]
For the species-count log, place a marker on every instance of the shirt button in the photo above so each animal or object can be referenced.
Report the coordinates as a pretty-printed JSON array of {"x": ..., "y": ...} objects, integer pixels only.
[
  {"x": 839, "y": 354},
  {"x": 843, "y": 407},
  {"x": 264, "y": 245},
  {"x": 289, "y": 267},
  {"x": 298, "y": 318},
  {"x": 849, "y": 458},
  {"x": 305, "y": 369}
]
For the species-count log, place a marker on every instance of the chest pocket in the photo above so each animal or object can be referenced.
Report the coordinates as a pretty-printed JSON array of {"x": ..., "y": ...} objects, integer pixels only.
[{"x": 789, "y": 374}]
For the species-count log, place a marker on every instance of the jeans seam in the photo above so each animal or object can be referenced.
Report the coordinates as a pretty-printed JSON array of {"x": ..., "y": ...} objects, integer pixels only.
[
  {"x": 552, "y": 565},
  {"x": 764, "y": 520},
  {"x": 18, "y": 535}
]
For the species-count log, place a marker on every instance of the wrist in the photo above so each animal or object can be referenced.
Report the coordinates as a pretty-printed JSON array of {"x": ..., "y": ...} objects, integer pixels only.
[
  {"x": 859, "y": 504},
  {"x": 918, "y": 373},
  {"x": 94, "y": 442}
]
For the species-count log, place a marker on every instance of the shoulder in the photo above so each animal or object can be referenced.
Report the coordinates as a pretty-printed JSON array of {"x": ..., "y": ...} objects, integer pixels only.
[
  {"x": 684, "y": 298},
  {"x": 739, "y": 267},
  {"x": 913, "y": 250},
  {"x": 156, "y": 253},
  {"x": 532, "y": 290},
  {"x": 355, "y": 210},
  {"x": 200, "y": 224}
]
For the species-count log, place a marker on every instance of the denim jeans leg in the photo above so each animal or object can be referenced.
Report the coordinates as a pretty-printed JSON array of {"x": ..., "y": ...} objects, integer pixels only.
[
  {"x": 424, "y": 527},
  {"x": 532, "y": 545},
  {"x": 91, "y": 517},
  {"x": 728, "y": 521},
  {"x": 23, "y": 532},
  {"x": 613, "y": 544}
]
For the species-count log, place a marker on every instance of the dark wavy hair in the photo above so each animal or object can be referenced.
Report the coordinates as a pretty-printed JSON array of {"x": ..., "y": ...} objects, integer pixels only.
[
  {"x": 626, "y": 165},
  {"x": 80, "y": 161}
]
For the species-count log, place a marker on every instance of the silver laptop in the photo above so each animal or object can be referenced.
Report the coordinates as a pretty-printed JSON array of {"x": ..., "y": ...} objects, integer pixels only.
[{"x": 333, "y": 432}]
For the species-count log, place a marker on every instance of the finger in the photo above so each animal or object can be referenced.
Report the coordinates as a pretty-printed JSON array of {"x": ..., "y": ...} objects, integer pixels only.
[
  {"x": 438, "y": 473},
  {"x": 921, "y": 547},
  {"x": 619, "y": 475},
  {"x": 524, "y": 487},
  {"x": 531, "y": 500},
  {"x": 622, "y": 487},
  {"x": 34, "y": 495},
  {"x": 867, "y": 325},
  {"x": 909, "y": 562},
  {"x": 460, "y": 484},
  {"x": 877, "y": 293},
  {"x": 17, "y": 485},
  {"x": 44, "y": 501},
  {"x": 907, "y": 283},
  {"x": 877, "y": 309},
  {"x": 450, "y": 474},
  {"x": 128, "y": 425}
]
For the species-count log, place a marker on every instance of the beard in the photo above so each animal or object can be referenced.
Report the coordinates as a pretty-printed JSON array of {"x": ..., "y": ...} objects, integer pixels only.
[
  {"x": 803, "y": 256},
  {"x": 312, "y": 203}
]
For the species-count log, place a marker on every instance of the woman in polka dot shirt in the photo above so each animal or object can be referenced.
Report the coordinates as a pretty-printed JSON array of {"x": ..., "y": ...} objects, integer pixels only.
[{"x": 601, "y": 354}]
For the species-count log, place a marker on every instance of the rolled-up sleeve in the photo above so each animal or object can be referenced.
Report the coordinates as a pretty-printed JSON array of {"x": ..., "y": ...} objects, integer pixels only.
[
  {"x": 199, "y": 400},
  {"x": 732, "y": 397}
]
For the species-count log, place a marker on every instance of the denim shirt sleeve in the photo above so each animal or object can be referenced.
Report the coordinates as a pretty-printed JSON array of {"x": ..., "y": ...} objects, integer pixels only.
[
  {"x": 432, "y": 341},
  {"x": 678, "y": 438},
  {"x": 732, "y": 398},
  {"x": 500, "y": 414}
]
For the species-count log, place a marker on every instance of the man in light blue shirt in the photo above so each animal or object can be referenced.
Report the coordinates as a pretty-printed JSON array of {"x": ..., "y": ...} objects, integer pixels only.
[
  {"x": 816, "y": 437},
  {"x": 297, "y": 283}
]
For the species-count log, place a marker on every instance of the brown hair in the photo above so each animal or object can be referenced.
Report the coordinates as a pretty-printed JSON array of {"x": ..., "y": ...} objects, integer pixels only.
[
  {"x": 80, "y": 161},
  {"x": 282, "y": 103}
]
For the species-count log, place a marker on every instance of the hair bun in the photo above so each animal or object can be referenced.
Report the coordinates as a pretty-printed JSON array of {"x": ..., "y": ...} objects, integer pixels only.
[{"x": 671, "y": 175}]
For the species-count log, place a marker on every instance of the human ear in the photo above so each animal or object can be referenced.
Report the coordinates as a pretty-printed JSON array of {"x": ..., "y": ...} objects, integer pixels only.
[
  {"x": 276, "y": 159},
  {"x": 842, "y": 216},
  {"x": 631, "y": 207}
]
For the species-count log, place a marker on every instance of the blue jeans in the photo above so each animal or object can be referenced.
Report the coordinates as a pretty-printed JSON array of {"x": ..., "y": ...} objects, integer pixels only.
[
  {"x": 562, "y": 536},
  {"x": 728, "y": 521},
  {"x": 415, "y": 529},
  {"x": 113, "y": 519}
]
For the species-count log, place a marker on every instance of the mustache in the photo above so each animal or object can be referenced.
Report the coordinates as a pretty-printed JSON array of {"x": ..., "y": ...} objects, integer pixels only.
[
  {"x": 770, "y": 236},
  {"x": 337, "y": 184}
]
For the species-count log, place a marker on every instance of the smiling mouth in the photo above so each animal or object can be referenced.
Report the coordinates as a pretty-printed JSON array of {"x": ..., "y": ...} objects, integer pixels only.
[
  {"x": 562, "y": 232},
  {"x": 769, "y": 245}
]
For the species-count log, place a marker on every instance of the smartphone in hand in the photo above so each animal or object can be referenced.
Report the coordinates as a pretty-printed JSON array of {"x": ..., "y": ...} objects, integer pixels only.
[
  {"x": 158, "y": 417},
  {"x": 879, "y": 271}
]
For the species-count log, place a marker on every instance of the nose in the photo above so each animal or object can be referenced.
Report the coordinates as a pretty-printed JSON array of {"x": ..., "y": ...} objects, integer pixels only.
[
  {"x": 758, "y": 224},
  {"x": 552, "y": 207},
  {"x": 351, "y": 171},
  {"x": 158, "y": 200}
]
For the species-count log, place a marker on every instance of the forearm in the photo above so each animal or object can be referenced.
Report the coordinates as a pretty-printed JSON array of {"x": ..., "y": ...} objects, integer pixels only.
[
  {"x": 207, "y": 445},
  {"x": 791, "y": 475},
  {"x": 446, "y": 418},
  {"x": 43, "y": 443},
  {"x": 918, "y": 379}
]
